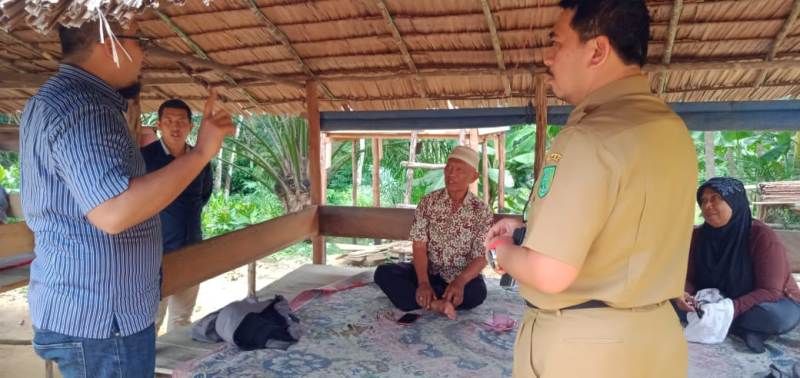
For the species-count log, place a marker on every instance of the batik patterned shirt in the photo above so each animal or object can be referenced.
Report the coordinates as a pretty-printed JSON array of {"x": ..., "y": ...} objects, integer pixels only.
[{"x": 454, "y": 238}]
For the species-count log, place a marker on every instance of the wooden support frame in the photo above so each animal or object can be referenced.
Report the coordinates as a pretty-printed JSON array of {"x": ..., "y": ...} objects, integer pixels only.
[
  {"x": 134, "y": 118},
  {"x": 672, "y": 32},
  {"x": 284, "y": 40},
  {"x": 401, "y": 45},
  {"x": 315, "y": 163},
  {"x": 371, "y": 223},
  {"x": 775, "y": 46},
  {"x": 199, "y": 262},
  {"x": 16, "y": 238},
  {"x": 498, "y": 51},
  {"x": 540, "y": 102},
  {"x": 501, "y": 177}
]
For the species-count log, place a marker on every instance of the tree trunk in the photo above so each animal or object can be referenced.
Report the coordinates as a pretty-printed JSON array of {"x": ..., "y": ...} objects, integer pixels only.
[
  {"x": 711, "y": 169},
  {"x": 218, "y": 172},
  {"x": 731, "y": 163},
  {"x": 231, "y": 166},
  {"x": 293, "y": 202}
]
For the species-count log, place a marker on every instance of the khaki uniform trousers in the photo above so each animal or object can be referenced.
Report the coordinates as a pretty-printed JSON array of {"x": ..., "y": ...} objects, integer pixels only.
[
  {"x": 181, "y": 307},
  {"x": 601, "y": 342}
]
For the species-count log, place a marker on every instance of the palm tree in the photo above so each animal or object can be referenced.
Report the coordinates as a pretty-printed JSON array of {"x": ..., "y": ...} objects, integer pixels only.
[{"x": 277, "y": 147}]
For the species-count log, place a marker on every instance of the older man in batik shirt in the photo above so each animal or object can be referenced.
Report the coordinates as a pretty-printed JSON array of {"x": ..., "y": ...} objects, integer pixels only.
[{"x": 448, "y": 254}]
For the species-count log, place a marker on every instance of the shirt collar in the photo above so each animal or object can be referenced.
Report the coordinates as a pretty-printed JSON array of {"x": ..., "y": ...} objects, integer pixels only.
[
  {"x": 463, "y": 202},
  {"x": 186, "y": 147},
  {"x": 631, "y": 85},
  {"x": 110, "y": 93}
]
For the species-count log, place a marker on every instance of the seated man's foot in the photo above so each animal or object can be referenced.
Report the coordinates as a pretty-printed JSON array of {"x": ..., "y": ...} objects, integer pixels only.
[
  {"x": 445, "y": 308},
  {"x": 754, "y": 342}
]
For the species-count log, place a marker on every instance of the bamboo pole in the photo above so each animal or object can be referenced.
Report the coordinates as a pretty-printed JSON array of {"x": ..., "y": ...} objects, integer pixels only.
[
  {"x": 501, "y": 178},
  {"x": 376, "y": 172},
  {"x": 485, "y": 169},
  {"x": 412, "y": 157},
  {"x": 353, "y": 169},
  {"x": 541, "y": 124},
  {"x": 251, "y": 279},
  {"x": 315, "y": 161},
  {"x": 711, "y": 169},
  {"x": 474, "y": 144}
]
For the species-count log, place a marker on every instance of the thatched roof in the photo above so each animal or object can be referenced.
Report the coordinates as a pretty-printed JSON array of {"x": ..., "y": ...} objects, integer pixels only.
[{"x": 411, "y": 54}]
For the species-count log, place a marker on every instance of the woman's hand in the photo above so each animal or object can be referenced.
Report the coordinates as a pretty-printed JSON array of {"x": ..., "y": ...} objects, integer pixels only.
[{"x": 686, "y": 302}]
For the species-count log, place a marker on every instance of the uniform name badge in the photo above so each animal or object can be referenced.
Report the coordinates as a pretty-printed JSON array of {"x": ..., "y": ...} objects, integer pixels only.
[{"x": 547, "y": 180}]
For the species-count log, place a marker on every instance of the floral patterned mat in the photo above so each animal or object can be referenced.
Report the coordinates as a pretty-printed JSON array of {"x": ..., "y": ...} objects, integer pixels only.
[{"x": 352, "y": 333}]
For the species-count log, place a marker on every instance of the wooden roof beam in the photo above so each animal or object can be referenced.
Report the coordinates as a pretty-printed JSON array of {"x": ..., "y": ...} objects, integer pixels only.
[
  {"x": 672, "y": 32},
  {"x": 498, "y": 51},
  {"x": 401, "y": 44},
  {"x": 787, "y": 26},
  {"x": 284, "y": 40}
]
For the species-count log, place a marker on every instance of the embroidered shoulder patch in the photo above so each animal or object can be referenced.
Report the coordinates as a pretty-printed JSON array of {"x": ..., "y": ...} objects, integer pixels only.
[{"x": 547, "y": 180}]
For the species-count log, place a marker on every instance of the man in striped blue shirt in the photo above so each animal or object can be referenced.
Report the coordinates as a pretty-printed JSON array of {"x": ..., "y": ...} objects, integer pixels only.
[{"x": 94, "y": 285}]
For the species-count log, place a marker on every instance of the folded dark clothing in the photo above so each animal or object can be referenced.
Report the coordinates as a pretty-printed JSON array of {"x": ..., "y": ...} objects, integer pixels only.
[{"x": 250, "y": 324}]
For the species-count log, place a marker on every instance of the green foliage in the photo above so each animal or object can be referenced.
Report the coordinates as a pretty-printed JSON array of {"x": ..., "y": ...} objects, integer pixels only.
[
  {"x": 222, "y": 215},
  {"x": 9, "y": 176}
]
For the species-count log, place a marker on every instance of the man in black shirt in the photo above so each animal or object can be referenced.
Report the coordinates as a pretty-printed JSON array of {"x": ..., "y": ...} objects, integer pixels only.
[{"x": 180, "y": 221}]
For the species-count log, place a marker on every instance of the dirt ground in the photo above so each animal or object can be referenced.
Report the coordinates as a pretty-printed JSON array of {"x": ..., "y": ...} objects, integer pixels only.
[{"x": 20, "y": 361}]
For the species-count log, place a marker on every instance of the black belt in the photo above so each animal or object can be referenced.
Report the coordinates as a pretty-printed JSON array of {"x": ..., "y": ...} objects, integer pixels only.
[{"x": 588, "y": 304}]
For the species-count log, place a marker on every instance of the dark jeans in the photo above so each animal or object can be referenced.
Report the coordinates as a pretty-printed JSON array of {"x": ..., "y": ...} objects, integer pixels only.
[
  {"x": 117, "y": 356},
  {"x": 769, "y": 318},
  {"x": 399, "y": 283}
]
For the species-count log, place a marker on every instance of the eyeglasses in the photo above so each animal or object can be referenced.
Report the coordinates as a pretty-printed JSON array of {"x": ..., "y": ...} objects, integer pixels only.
[{"x": 138, "y": 38}]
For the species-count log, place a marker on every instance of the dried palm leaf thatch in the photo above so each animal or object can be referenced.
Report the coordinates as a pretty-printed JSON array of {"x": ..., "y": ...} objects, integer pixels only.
[{"x": 44, "y": 15}]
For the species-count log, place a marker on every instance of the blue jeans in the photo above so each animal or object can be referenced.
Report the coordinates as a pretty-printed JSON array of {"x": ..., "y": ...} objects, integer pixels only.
[{"x": 117, "y": 356}]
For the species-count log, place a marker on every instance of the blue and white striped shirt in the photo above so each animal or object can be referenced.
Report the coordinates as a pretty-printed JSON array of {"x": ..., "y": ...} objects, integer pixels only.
[{"x": 75, "y": 154}]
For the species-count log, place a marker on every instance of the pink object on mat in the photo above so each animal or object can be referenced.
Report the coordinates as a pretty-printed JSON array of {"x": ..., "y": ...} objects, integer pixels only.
[{"x": 500, "y": 322}]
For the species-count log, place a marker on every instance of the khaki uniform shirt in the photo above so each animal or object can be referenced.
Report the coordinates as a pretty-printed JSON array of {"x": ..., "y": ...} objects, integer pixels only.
[{"x": 615, "y": 199}]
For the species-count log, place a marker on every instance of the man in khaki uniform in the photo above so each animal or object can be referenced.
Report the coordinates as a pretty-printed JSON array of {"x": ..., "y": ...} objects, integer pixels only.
[{"x": 609, "y": 226}]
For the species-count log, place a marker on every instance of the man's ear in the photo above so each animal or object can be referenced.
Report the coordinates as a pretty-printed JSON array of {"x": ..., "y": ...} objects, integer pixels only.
[{"x": 601, "y": 49}]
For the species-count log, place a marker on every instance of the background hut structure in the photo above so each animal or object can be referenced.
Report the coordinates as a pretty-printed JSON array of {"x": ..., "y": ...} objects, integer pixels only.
[{"x": 722, "y": 64}]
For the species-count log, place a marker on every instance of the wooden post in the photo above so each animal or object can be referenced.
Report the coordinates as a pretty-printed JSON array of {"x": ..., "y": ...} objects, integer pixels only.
[
  {"x": 501, "y": 174},
  {"x": 251, "y": 279},
  {"x": 541, "y": 124},
  {"x": 315, "y": 162},
  {"x": 134, "y": 116},
  {"x": 485, "y": 168},
  {"x": 473, "y": 143},
  {"x": 412, "y": 157}
]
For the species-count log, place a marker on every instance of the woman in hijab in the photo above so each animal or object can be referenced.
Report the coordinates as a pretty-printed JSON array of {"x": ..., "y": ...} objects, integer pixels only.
[{"x": 745, "y": 260}]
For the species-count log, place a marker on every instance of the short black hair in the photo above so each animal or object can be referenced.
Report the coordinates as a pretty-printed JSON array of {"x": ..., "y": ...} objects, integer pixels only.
[
  {"x": 174, "y": 104},
  {"x": 76, "y": 42},
  {"x": 626, "y": 23}
]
